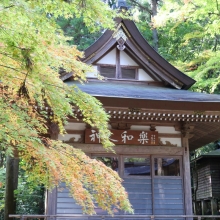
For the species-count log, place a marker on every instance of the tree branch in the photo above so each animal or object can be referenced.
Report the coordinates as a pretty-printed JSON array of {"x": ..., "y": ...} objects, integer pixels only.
[
  {"x": 216, "y": 43},
  {"x": 8, "y": 67},
  {"x": 141, "y": 6},
  {"x": 217, "y": 5},
  {"x": 10, "y": 6}
]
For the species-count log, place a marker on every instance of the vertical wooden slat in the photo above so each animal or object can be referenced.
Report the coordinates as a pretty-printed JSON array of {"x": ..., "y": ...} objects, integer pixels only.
[{"x": 152, "y": 183}]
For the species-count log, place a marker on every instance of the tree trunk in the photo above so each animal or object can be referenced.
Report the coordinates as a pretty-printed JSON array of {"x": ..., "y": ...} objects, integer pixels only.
[
  {"x": 12, "y": 167},
  {"x": 154, "y": 30}
]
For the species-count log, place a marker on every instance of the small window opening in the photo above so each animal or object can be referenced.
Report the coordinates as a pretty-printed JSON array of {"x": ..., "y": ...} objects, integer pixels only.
[
  {"x": 167, "y": 167},
  {"x": 128, "y": 73},
  {"x": 109, "y": 72},
  {"x": 137, "y": 167}
]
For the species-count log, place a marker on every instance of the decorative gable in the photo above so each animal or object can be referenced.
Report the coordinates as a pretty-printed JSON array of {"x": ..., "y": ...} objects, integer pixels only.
[{"x": 126, "y": 55}]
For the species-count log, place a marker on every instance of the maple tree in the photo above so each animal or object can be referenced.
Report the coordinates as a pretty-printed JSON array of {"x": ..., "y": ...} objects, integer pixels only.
[{"x": 32, "y": 51}]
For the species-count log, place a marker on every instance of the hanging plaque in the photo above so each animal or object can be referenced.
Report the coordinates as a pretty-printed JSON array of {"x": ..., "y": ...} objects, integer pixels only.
[{"x": 124, "y": 137}]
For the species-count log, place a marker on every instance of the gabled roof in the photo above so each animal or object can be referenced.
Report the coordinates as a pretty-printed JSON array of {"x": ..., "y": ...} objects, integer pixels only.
[
  {"x": 147, "y": 101},
  {"x": 139, "y": 50}
]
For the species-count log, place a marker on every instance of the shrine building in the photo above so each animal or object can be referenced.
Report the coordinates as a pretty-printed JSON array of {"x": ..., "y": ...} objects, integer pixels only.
[{"x": 154, "y": 119}]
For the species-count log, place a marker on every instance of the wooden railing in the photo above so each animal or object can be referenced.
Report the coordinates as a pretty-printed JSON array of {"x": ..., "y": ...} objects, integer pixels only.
[{"x": 124, "y": 217}]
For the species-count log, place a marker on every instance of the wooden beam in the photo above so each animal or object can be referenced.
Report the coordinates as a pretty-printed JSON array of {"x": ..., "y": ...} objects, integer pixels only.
[
  {"x": 160, "y": 72},
  {"x": 160, "y": 135},
  {"x": 94, "y": 58},
  {"x": 129, "y": 149},
  {"x": 158, "y": 104}
]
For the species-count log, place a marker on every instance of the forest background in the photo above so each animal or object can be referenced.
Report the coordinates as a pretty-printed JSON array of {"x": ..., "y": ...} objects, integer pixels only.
[{"x": 186, "y": 33}]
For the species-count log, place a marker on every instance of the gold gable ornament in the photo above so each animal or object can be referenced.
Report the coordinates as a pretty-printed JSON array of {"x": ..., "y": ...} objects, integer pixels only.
[{"x": 120, "y": 38}]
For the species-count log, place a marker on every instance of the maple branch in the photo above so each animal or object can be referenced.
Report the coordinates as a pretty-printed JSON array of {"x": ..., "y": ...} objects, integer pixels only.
[
  {"x": 10, "y": 6},
  {"x": 12, "y": 69},
  {"x": 7, "y": 55}
]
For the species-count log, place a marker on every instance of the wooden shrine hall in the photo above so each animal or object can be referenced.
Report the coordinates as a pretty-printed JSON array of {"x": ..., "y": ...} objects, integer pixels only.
[{"x": 154, "y": 119}]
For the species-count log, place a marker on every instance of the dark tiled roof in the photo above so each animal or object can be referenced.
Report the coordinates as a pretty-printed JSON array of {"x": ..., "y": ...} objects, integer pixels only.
[{"x": 141, "y": 91}]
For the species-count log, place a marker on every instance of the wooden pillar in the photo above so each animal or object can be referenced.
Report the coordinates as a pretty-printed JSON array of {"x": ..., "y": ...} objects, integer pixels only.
[
  {"x": 194, "y": 207},
  {"x": 51, "y": 202},
  {"x": 214, "y": 206},
  {"x": 204, "y": 207},
  {"x": 51, "y": 196},
  {"x": 12, "y": 167},
  {"x": 118, "y": 67},
  {"x": 187, "y": 178}
]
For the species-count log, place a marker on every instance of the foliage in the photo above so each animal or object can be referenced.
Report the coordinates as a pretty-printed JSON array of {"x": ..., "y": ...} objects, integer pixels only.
[
  {"x": 32, "y": 50},
  {"x": 29, "y": 198},
  {"x": 193, "y": 30},
  {"x": 205, "y": 149},
  {"x": 142, "y": 15},
  {"x": 79, "y": 34},
  {"x": 2, "y": 190}
]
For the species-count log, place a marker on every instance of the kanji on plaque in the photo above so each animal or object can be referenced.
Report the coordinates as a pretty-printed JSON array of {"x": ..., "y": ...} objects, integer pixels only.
[
  {"x": 124, "y": 137},
  {"x": 143, "y": 137},
  {"x": 94, "y": 136}
]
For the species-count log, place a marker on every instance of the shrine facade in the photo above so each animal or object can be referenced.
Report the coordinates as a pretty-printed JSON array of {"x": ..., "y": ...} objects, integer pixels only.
[{"x": 154, "y": 119}]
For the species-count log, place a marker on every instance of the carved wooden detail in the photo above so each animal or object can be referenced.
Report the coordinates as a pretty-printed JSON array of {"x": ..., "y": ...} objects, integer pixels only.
[
  {"x": 136, "y": 110},
  {"x": 167, "y": 143},
  {"x": 132, "y": 115},
  {"x": 121, "y": 126},
  {"x": 153, "y": 127},
  {"x": 75, "y": 140},
  {"x": 88, "y": 126},
  {"x": 187, "y": 130}
]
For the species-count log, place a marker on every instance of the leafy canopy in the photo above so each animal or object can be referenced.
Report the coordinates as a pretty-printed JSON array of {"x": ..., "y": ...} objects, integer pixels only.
[
  {"x": 193, "y": 30},
  {"x": 32, "y": 50}
]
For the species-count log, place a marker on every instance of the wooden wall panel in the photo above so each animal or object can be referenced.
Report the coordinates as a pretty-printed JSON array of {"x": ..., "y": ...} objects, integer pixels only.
[
  {"x": 168, "y": 196},
  {"x": 215, "y": 177},
  {"x": 65, "y": 203},
  {"x": 140, "y": 194},
  {"x": 204, "y": 182}
]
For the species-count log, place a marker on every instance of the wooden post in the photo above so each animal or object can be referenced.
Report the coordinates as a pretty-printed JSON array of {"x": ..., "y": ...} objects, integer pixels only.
[
  {"x": 186, "y": 131},
  {"x": 187, "y": 178},
  {"x": 51, "y": 196},
  {"x": 214, "y": 206},
  {"x": 118, "y": 67},
  {"x": 51, "y": 200},
  {"x": 204, "y": 207},
  {"x": 194, "y": 208},
  {"x": 12, "y": 167}
]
